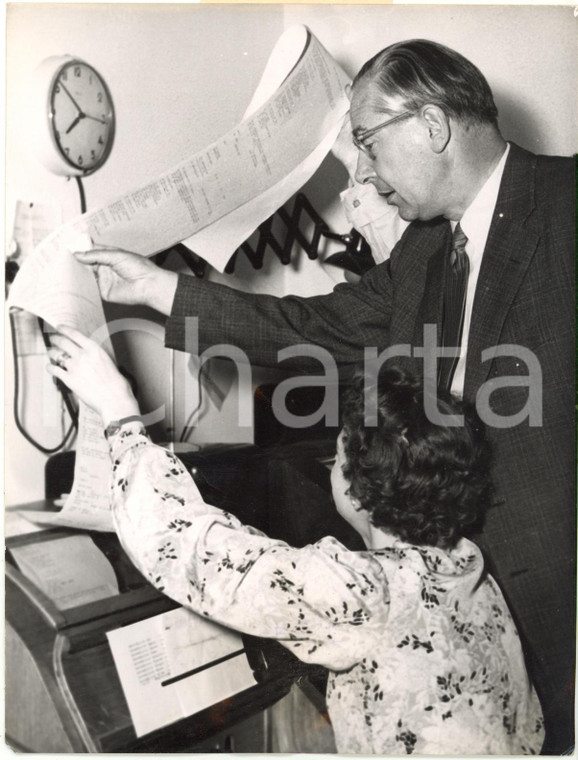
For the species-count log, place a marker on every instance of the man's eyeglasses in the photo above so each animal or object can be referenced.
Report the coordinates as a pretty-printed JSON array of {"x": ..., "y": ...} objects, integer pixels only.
[{"x": 360, "y": 137}]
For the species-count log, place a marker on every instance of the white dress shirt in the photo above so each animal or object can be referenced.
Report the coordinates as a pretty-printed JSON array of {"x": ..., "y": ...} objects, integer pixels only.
[{"x": 475, "y": 224}]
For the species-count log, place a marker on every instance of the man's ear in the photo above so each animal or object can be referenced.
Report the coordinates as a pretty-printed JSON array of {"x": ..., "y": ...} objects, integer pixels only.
[
  {"x": 348, "y": 91},
  {"x": 438, "y": 127}
]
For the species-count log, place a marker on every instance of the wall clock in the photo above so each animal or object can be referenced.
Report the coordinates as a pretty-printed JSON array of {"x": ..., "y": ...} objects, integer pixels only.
[{"x": 75, "y": 119}]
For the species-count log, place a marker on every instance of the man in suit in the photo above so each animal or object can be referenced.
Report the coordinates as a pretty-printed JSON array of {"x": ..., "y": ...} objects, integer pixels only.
[{"x": 487, "y": 260}]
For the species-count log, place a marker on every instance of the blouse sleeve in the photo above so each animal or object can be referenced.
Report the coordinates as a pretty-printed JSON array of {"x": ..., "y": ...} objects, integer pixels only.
[{"x": 324, "y": 602}]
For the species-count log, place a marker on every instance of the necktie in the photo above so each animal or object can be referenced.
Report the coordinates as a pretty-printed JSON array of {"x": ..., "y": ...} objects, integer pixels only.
[{"x": 455, "y": 289}]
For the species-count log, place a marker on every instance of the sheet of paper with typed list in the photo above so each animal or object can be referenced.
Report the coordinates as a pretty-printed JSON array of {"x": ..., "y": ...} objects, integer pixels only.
[
  {"x": 290, "y": 125},
  {"x": 176, "y": 664},
  {"x": 53, "y": 285}
]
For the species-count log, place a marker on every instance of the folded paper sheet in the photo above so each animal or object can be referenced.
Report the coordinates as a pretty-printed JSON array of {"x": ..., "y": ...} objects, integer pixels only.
[
  {"x": 219, "y": 240},
  {"x": 175, "y": 664},
  {"x": 71, "y": 571},
  {"x": 214, "y": 200}
]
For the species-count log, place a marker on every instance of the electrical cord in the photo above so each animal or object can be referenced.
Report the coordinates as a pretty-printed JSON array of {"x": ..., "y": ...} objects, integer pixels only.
[
  {"x": 186, "y": 429},
  {"x": 59, "y": 385},
  {"x": 82, "y": 196},
  {"x": 19, "y": 425}
]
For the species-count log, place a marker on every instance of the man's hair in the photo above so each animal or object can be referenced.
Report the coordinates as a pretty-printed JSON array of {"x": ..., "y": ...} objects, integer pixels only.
[
  {"x": 426, "y": 483},
  {"x": 422, "y": 72}
]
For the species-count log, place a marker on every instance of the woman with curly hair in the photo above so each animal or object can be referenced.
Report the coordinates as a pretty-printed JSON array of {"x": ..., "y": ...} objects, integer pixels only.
[{"x": 422, "y": 651}]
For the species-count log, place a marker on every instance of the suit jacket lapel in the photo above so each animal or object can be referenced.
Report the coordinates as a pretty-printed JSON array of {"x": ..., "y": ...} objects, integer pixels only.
[{"x": 511, "y": 244}]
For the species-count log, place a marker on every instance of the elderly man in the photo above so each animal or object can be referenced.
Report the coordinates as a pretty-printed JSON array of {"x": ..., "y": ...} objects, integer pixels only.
[{"x": 486, "y": 262}]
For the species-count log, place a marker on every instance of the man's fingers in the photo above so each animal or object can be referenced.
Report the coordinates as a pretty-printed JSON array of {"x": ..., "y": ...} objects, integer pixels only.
[{"x": 99, "y": 256}]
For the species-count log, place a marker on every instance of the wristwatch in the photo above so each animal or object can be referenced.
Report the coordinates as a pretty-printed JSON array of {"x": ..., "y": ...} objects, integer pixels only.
[{"x": 115, "y": 425}]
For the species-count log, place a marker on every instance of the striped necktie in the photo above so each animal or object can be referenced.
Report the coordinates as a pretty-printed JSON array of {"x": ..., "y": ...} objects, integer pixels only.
[{"x": 455, "y": 290}]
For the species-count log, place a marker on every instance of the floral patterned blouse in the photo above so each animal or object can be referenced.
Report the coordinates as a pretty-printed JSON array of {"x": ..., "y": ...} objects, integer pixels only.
[{"x": 423, "y": 653}]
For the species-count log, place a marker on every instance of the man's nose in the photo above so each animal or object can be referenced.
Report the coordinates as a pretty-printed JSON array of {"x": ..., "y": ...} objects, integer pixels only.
[{"x": 365, "y": 171}]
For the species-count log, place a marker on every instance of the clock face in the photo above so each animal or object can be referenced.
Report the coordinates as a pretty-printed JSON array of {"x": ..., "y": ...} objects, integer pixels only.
[{"x": 81, "y": 116}]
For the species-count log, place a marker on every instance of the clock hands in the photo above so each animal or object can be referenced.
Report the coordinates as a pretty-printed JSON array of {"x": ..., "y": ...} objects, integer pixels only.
[
  {"x": 75, "y": 122},
  {"x": 81, "y": 114},
  {"x": 78, "y": 108},
  {"x": 94, "y": 118}
]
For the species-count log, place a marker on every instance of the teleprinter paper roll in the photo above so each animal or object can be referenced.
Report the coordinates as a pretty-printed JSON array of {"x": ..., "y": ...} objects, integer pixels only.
[{"x": 216, "y": 198}]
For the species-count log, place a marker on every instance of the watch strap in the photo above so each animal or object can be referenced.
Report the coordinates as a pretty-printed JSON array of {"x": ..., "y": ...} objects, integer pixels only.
[{"x": 115, "y": 425}]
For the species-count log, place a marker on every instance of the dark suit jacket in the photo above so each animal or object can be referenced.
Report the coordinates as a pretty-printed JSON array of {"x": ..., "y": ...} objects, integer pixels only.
[{"x": 524, "y": 296}]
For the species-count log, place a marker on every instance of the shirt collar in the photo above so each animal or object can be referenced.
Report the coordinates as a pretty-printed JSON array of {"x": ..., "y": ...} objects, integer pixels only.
[{"x": 477, "y": 218}]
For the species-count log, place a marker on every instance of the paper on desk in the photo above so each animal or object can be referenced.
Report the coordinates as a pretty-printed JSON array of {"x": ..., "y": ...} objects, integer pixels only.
[
  {"x": 16, "y": 525},
  {"x": 70, "y": 571},
  {"x": 53, "y": 285},
  {"x": 169, "y": 667}
]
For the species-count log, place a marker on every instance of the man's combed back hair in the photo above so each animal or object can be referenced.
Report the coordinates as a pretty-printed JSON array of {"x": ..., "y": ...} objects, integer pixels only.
[
  {"x": 427, "y": 484},
  {"x": 422, "y": 72}
]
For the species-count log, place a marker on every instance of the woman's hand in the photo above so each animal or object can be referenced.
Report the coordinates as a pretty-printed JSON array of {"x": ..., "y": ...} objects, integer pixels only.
[
  {"x": 82, "y": 365},
  {"x": 125, "y": 277}
]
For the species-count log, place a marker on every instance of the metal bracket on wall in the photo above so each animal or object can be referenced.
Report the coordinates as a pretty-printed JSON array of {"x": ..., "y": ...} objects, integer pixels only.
[{"x": 278, "y": 233}]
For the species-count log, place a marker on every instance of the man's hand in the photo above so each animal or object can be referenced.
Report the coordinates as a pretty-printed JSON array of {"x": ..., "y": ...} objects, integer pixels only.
[
  {"x": 91, "y": 374},
  {"x": 129, "y": 278}
]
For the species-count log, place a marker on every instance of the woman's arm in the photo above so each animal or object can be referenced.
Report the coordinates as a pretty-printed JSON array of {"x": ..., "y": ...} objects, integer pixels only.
[{"x": 323, "y": 602}]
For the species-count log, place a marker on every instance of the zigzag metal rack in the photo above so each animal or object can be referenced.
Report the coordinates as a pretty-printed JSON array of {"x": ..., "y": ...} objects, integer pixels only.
[{"x": 278, "y": 234}]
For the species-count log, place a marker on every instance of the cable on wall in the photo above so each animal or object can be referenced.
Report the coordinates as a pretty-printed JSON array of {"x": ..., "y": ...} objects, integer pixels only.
[
  {"x": 187, "y": 428},
  {"x": 82, "y": 195},
  {"x": 19, "y": 425}
]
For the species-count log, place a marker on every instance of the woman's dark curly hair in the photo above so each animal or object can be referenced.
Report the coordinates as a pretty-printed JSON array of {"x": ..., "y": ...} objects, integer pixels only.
[{"x": 426, "y": 483}]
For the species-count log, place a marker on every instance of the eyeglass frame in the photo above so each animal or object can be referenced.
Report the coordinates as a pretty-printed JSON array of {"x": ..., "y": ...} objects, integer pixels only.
[{"x": 361, "y": 136}]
